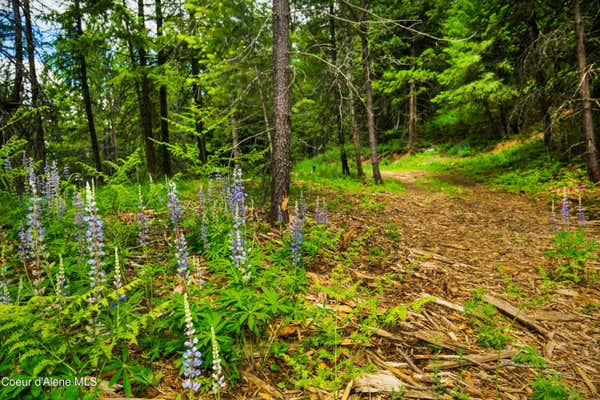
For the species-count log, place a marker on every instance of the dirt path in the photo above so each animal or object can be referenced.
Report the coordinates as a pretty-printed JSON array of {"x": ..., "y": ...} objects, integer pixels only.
[{"x": 448, "y": 243}]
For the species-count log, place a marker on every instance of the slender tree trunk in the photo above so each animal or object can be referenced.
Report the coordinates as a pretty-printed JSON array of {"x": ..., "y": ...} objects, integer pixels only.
[
  {"x": 162, "y": 94},
  {"x": 263, "y": 105},
  {"x": 412, "y": 108},
  {"x": 281, "y": 163},
  {"x": 588, "y": 123},
  {"x": 38, "y": 139},
  {"x": 355, "y": 137},
  {"x": 235, "y": 138},
  {"x": 197, "y": 108},
  {"x": 15, "y": 97},
  {"x": 85, "y": 91},
  {"x": 336, "y": 94},
  {"x": 144, "y": 103},
  {"x": 369, "y": 94}
]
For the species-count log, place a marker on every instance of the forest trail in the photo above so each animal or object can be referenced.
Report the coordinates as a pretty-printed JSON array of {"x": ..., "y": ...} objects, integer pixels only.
[{"x": 450, "y": 238}]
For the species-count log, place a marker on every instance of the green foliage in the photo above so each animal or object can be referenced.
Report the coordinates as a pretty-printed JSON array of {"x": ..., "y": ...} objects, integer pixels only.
[
  {"x": 573, "y": 252},
  {"x": 552, "y": 388},
  {"x": 492, "y": 331}
]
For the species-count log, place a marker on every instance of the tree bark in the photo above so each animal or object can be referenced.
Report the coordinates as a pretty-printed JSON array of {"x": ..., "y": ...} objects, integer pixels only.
[
  {"x": 369, "y": 94},
  {"x": 235, "y": 138},
  {"x": 144, "y": 103},
  {"x": 85, "y": 90},
  {"x": 197, "y": 107},
  {"x": 39, "y": 144},
  {"x": 15, "y": 97},
  {"x": 412, "y": 108},
  {"x": 588, "y": 124},
  {"x": 162, "y": 94},
  {"x": 355, "y": 138},
  {"x": 281, "y": 163},
  {"x": 336, "y": 94}
]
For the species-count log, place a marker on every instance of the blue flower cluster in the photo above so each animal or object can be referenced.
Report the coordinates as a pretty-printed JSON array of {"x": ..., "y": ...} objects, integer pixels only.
[
  {"x": 238, "y": 242},
  {"x": 296, "y": 240},
  {"x": 181, "y": 249},
  {"x": 321, "y": 213},
  {"x": 565, "y": 210},
  {"x": 142, "y": 222},
  {"x": 192, "y": 358},
  {"x": 94, "y": 236}
]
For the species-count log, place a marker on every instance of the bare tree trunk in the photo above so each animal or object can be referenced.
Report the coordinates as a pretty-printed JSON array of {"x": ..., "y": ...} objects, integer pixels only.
[
  {"x": 235, "y": 140},
  {"x": 197, "y": 108},
  {"x": 588, "y": 123},
  {"x": 281, "y": 163},
  {"x": 15, "y": 97},
  {"x": 369, "y": 92},
  {"x": 263, "y": 105},
  {"x": 85, "y": 89},
  {"x": 336, "y": 94},
  {"x": 38, "y": 139},
  {"x": 355, "y": 137},
  {"x": 144, "y": 103},
  {"x": 162, "y": 94}
]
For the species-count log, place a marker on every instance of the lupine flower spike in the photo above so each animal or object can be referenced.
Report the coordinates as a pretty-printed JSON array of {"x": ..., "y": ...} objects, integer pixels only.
[
  {"x": 181, "y": 251},
  {"x": 580, "y": 213},
  {"x": 33, "y": 237},
  {"x": 120, "y": 296},
  {"x": 192, "y": 358},
  {"x": 143, "y": 231},
  {"x": 296, "y": 239},
  {"x": 219, "y": 380},
  {"x": 553, "y": 224},
  {"x": 61, "y": 280},
  {"x": 565, "y": 210},
  {"x": 4, "y": 294},
  {"x": 238, "y": 242},
  {"x": 78, "y": 224},
  {"x": 95, "y": 243}
]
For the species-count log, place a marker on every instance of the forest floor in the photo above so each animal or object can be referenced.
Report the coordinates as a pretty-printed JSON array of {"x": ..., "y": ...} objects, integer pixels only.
[{"x": 442, "y": 246}]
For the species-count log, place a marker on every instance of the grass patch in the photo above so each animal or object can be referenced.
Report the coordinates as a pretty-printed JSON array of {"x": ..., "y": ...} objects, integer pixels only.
[{"x": 517, "y": 166}]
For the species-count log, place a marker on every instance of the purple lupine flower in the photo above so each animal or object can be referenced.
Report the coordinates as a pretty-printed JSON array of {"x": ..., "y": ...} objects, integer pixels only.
[
  {"x": 237, "y": 196},
  {"x": 142, "y": 222},
  {"x": 78, "y": 223},
  {"x": 219, "y": 379},
  {"x": 204, "y": 231},
  {"x": 565, "y": 210},
  {"x": 296, "y": 239},
  {"x": 119, "y": 294},
  {"x": 553, "y": 223},
  {"x": 182, "y": 256},
  {"x": 61, "y": 280},
  {"x": 321, "y": 212},
  {"x": 5, "y": 299},
  {"x": 52, "y": 185},
  {"x": 302, "y": 206},
  {"x": 33, "y": 237},
  {"x": 238, "y": 247},
  {"x": 192, "y": 358},
  {"x": 95, "y": 244},
  {"x": 580, "y": 213},
  {"x": 174, "y": 205}
]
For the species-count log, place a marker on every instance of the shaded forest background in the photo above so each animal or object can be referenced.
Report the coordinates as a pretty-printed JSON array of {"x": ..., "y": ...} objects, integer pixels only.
[{"x": 164, "y": 87}]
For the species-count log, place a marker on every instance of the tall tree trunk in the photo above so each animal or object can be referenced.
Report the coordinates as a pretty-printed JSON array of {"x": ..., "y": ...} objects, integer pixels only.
[
  {"x": 355, "y": 137},
  {"x": 412, "y": 107},
  {"x": 588, "y": 123},
  {"x": 144, "y": 103},
  {"x": 39, "y": 144},
  {"x": 281, "y": 163},
  {"x": 15, "y": 97},
  {"x": 336, "y": 94},
  {"x": 369, "y": 94},
  {"x": 162, "y": 94},
  {"x": 197, "y": 94},
  {"x": 263, "y": 105},
  {"x": 235, "y": 138},
  {"x": 85, "y": 90}
]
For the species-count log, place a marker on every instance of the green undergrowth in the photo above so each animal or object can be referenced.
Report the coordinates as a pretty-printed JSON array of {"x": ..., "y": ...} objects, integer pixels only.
[{"x": 517, "y": 166}]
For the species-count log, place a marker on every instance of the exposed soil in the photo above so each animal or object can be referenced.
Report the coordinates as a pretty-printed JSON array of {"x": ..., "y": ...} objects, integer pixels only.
[{"x": 448, "y": 245}]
